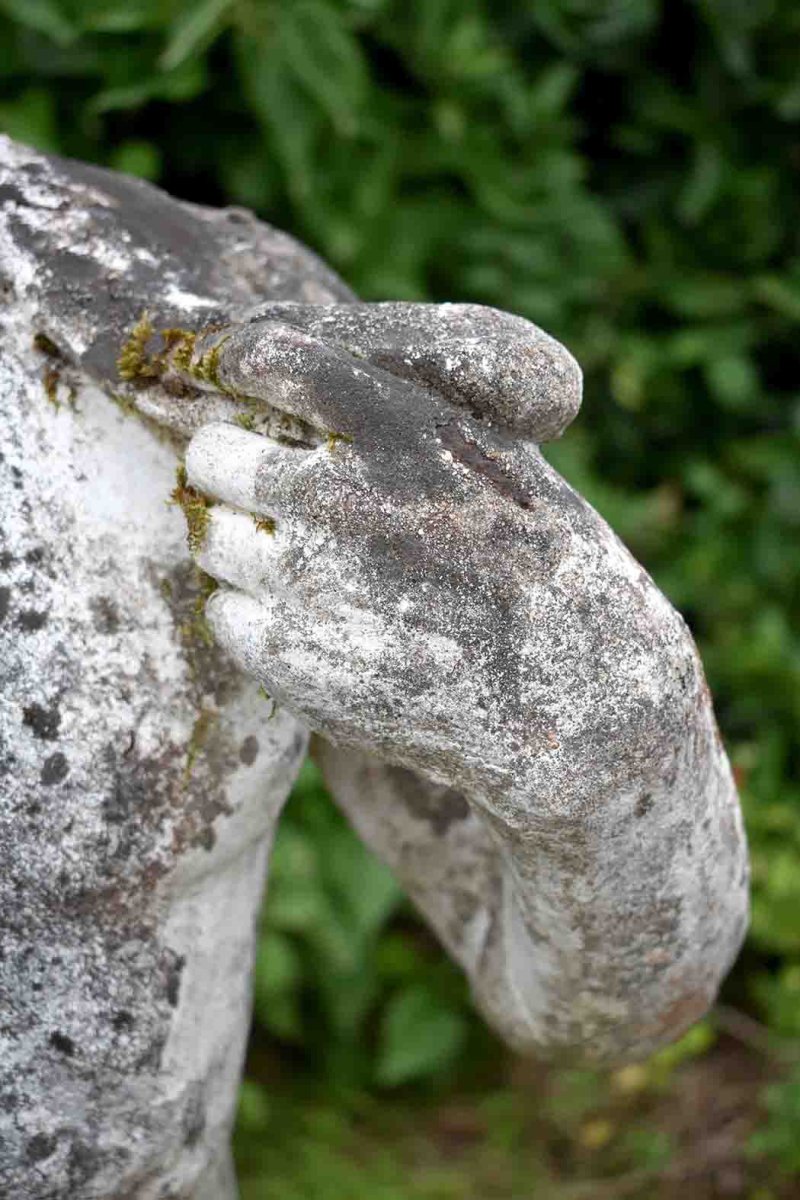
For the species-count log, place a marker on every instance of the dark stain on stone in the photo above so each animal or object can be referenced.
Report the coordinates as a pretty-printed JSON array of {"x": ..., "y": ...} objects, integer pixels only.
[
  {"x": 147, "y": 796},
  {"x": 193, "y": 1122},
  {"x": 728, "y": 833},
  {"x": 489, "y": 466},
  {"x": 45, "y": 345},
  {"x": 117, "y": 804},
  {"x": 44, "y": 722},
  {"x": 106, "y": 614},
  {"x": 83, "y": 1163},
  {"x": 5, "y": 602},
  {"x": 139, "y": 789},
  {"x": 184, "y": 597},
  {"x": 441, "y": 807},
  {"x": 644, "y": 805},
  {"x": 150, "y": 1059},
  {"x": 55, "y": 768},
  {"x": 6, "y": 560},
  {"x": 248, "y": 751},
  {"x": 173, "y": 978},
  {"x": 122, "y": 1020},
  {"x": 136, "y": 215},
  {"x": 29, "y": 620},
  {"x": 206, "y": 838},
  {"x": 63, "y": 1044},
  {"x": 9, "y": 192},
  {"x": 35, "y": 555},
  {"x": 39, "y": 1147}
]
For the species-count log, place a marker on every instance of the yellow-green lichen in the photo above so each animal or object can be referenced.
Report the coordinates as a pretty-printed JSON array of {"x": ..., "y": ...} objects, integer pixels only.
[
  {"x": 198, "y": 737},
  {"x": 194, "y": 629},
  {"x": 206, "y": 368},
  {"x": 336, "y": 439},
  {"x": 200, "y": 627},
  {"x": 51, "y": 379},
  {"x": 134, "y": 361},
  {"x": 124, "y": 403},
  {"x": 179, "y": 346},
  {"x": 207, "y": 585},
  {"x": 195, "y": 510},
  {"x": 245, "y": 420}
]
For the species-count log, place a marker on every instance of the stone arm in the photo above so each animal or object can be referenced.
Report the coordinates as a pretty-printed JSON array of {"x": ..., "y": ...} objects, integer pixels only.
[{"x": 515, "y": 717}]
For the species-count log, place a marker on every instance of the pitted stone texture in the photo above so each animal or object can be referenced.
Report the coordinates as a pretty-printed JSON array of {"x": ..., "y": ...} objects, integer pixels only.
[
  {"x": 101, "y": 248},
  {"x": 133, "y": 851},
  {"x": 496, "y": 365}
]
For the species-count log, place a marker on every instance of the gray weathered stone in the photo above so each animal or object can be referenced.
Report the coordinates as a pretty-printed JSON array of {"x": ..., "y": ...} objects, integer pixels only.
[
  {"x": 512, "y": 714},
  {"x": 141, "y": 776}
]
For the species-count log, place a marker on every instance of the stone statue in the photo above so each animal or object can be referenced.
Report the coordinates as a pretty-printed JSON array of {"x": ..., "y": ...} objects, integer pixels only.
[{"x": 504, "y": 705}]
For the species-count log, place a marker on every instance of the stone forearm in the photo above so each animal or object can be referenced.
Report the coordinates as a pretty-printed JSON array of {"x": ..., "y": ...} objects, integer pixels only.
[
  {"x": 596, "y": 936},
  {"x": 596, "y": 942}
]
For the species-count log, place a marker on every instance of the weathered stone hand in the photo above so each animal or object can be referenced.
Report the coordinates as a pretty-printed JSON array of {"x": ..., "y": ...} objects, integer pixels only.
[
  {"x": 399, "y": 584},
  {"x": 418, "y": 584}
]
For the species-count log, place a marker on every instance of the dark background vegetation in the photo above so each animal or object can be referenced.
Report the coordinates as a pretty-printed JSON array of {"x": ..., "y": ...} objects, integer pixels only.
[{"x": 625, "y": 173}]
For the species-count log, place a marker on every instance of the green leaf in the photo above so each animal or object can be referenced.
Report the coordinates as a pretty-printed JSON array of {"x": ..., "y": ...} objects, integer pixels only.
[
  {"x": 366, "y": 906},
  {"x": 278, "y": 979},
  {"x": 194, "y": 31},
  {"x": 45, "y": 16},
  {"x": 287, "y": 113},
  {"x": 733, "y": 379},
  {"x": 279, "y": 966},
  {"x": 419, "y": 1036},
  {"x": 777, "y": 1137},
  {"x": 780, "y": 293},
  {"x": 182, "y": 84},
  {"x": 553, "y": 88},
  {"x": 254, "y": 1107},
  {"x": 123, "y": 16},
  {"x": 30, "y": 118},
  {"x": 703, "y": 185},
  {"x": 137, "y": 158},
  {"x": 326, "y": 59},
  {"x": 651, "y": 1150}
]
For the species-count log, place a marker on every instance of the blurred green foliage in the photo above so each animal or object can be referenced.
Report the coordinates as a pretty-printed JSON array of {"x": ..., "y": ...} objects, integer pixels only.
[
  {"x": 778, "y": 1138},
  {"x": 623, "y": 172},
  {"x": 339, "y": 946}
]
